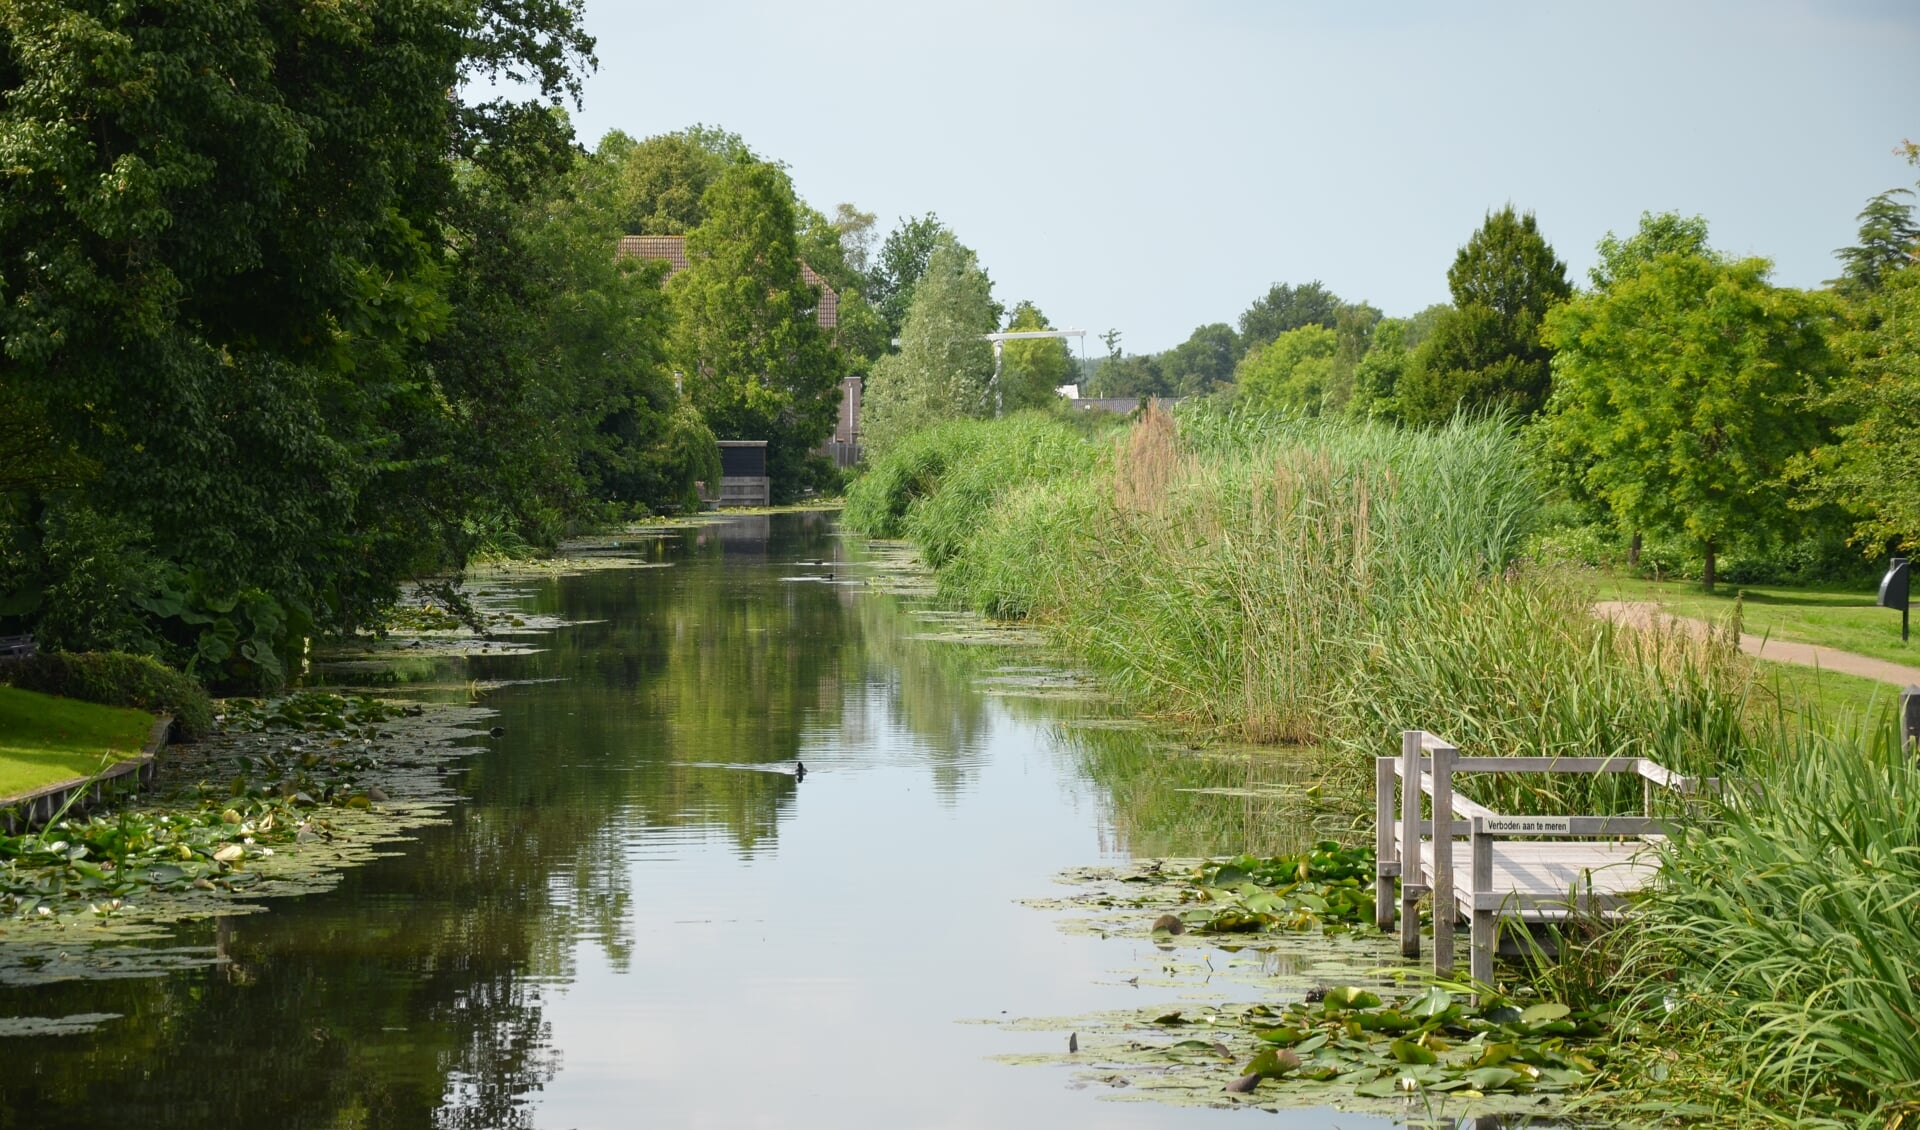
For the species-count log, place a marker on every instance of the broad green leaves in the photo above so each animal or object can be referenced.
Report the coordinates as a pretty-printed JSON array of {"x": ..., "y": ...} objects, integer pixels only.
[{"x": 1684, "y": 389}]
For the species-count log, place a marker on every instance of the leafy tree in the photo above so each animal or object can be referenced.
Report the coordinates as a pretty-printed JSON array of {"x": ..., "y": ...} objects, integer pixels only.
[
  {"x": 861, "y": 334},
  {"x": 1486, "y": 351},
  {"x": 902, "y": 260},
  {"x": 662, "y": 180},
  {"x": 1293, "y": 370},
  {"x": 1873, "y": 471},
  {"x": 944, "y": 369},
  {"x": 757, "y": 365},
  {"x": 213, "y": 296},
  {"x": 1686, "y": 384},
  {"x": 1128, "y": 375},
  {"x": 1031, "y": 371},
  {"x": 1665, "y": 233},
  {"x": 1204, "y": 362},
  {"x": 1888, "y": 238},
  {"x": 856, "y": 230},
  {"x": 1376, "y": 377},
  {"x": 1286, "y": 307}
]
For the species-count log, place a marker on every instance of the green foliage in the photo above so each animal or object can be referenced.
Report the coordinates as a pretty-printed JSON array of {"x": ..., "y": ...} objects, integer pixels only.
[
  {"x": 1131, "y": 375},
  {"x": 1326, "y": 887},
  {"x": 944, "y": 369},
  {"x": 1376, "y": 376},
  {"x": 905, "y": 493},
  {"x": 1888, "y": 238},
  {"x": 1783, "y": 938},
  {"x": 1873, "y": 472},
  {"x": 216, "y": 301},
  {"x": 660, "y": 182},
  {"x": 1667, "y": 233},
  {"x": 1486, "y": 351},
  {"x": 1297, "y": 371},
  {"x": 1031, "y": 371},
  {"x": 1286, "y": 307},
  {"x": 1282, "y": 579},
  {"x": 117, "y": 679},
  {"x": 902, "y": 259},
  {"x": 757, "y": 365},
  {"x": 1684, "y": 389},
  {"x": 1204, "y": 362}
]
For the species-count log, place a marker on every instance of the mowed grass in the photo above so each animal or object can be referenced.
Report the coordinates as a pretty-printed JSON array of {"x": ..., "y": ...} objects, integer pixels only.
[
  {"x": 45, "y": 740},
  {"x": 1836, "y": 616},
  {"x": 1828, "y": 700}
]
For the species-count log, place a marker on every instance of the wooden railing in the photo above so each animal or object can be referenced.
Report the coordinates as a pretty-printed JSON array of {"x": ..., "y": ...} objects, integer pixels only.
[{"x": 1433, "y": 761}]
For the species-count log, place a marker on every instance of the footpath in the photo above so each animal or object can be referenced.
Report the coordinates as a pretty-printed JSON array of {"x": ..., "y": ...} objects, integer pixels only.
[{"x": 1646, "y": 614}]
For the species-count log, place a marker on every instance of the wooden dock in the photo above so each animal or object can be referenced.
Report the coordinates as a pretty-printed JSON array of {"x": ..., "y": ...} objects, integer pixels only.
[{"x": 1526, "y": 869}]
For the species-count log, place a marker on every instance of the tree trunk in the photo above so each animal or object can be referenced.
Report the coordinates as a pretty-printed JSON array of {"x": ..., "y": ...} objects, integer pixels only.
[
  {"x": 1633, "y": 551},
  {"x": 1706, "y": 575}
]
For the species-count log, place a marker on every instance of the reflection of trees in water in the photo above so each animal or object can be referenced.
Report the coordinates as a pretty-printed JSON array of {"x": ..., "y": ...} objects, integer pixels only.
[
  {"x": 403, "y": 999},
  {"x": 928, "y": 689},
  {"x": 1150, "y": 786},
  {"x": 411, "y": 995}
]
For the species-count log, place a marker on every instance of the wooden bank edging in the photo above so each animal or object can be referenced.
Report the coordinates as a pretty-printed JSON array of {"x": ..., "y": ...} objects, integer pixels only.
[{"x": 36, "y": 807}]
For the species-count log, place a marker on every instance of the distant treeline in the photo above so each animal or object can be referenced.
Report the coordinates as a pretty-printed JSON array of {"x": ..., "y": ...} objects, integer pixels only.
[{"x": 1680, "y": 396}]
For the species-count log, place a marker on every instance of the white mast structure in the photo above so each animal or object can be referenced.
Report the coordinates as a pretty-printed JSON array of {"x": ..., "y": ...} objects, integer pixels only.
[{"x": 1000, "y": 341}]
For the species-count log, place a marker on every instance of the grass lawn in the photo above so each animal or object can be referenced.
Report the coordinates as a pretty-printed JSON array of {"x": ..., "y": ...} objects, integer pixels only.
[
  {"x": 1830, "y": 698},
  {"x": 1837, "y": 616},
  {"x": 45, "y": 740}
]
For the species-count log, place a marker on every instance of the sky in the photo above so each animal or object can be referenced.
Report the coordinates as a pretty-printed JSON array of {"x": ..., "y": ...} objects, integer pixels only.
[{"x": 1153, "y": 167}]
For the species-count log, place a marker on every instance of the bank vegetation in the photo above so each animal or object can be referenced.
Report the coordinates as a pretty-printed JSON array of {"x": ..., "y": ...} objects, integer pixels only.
[{"x": 1283, "y": 579}]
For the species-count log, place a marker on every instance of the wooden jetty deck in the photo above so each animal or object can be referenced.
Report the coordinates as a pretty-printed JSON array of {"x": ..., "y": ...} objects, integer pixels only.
[{"x": 1528, "y": 869}]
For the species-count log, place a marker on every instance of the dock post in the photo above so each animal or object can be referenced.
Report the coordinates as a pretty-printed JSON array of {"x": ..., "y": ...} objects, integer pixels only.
[
  {"x": 1486, "y": 923},
  {"x": 1410, "y": 874},
  {"x": 1383, "y": 853},
  {"x": 1443, "y": 908}
]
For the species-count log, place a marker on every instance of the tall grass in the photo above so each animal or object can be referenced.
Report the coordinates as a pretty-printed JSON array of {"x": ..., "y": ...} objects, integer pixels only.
[
  {"x": 1294, "y": 580},
  {"x": 1281, "y": 579},
  {"x": 1785, "y": 935}
]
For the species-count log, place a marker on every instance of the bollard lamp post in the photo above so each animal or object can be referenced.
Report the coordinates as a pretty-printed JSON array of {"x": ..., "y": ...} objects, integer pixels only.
[{"x": 1893, "y": 591}]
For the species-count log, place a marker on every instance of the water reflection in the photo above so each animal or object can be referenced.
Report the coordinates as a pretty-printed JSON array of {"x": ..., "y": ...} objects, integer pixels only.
[{"x": 639, "y": 913}]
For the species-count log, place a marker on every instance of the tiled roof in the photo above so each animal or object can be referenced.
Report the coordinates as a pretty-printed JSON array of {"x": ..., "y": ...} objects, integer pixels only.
[{"x": 672, "y": 249}]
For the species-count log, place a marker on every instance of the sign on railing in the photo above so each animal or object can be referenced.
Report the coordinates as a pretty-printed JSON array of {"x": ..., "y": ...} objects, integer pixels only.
[{"x": 1527, "y": 825}]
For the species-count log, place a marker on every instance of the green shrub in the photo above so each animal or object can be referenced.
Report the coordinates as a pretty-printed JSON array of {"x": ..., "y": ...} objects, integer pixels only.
[
  {"x": 1783, "y": 939},
  {"x": 878, "y": 500},
  {"x": 116, "y": 678}
]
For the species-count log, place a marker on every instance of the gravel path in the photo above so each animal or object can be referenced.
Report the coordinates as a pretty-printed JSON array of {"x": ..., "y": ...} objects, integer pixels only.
[{"x": 1644, "y": 613}]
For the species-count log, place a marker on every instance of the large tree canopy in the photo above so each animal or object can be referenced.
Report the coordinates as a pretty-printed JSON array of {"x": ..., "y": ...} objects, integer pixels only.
[
  {"x": 1297, "y": 370},
  {"x": 757, "y": 364},
  {"x": 902, "y": 259},
  {"x": 944, "y": 369},
  {"x": 1686, "y": 386},
  {"x": 1032, "y": 371},
  {"x": 284, "y": 323},
  {"x": 1287, "y": 307},
  {"x": 1204, "y": 362},
  {"x": 1873, "y": 473},
  {"x": 1486, "y": 351}
]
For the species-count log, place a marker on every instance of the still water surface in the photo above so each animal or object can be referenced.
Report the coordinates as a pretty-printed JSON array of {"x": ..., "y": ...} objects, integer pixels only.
[{"x": 637, "y": 916}]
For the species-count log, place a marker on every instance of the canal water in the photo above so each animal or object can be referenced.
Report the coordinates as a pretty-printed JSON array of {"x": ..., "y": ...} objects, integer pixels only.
[{"x": 638, "y": 915}]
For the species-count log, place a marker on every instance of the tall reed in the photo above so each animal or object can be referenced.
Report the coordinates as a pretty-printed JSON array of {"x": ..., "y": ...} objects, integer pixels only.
[
  {"x": 1785, "y": 935},
  {"x": 1283, "y": 579}
]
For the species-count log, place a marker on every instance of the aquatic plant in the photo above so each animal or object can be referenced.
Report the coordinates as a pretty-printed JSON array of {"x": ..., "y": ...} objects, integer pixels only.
[{"x": 1781, "y": 946}]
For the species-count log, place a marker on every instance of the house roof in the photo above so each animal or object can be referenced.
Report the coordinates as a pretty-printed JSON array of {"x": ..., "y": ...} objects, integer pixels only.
[{"x": 672, "y": 250}]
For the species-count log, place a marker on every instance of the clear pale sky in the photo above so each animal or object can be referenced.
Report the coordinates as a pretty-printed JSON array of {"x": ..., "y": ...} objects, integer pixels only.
[{"x": 1156, "y": 166}]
